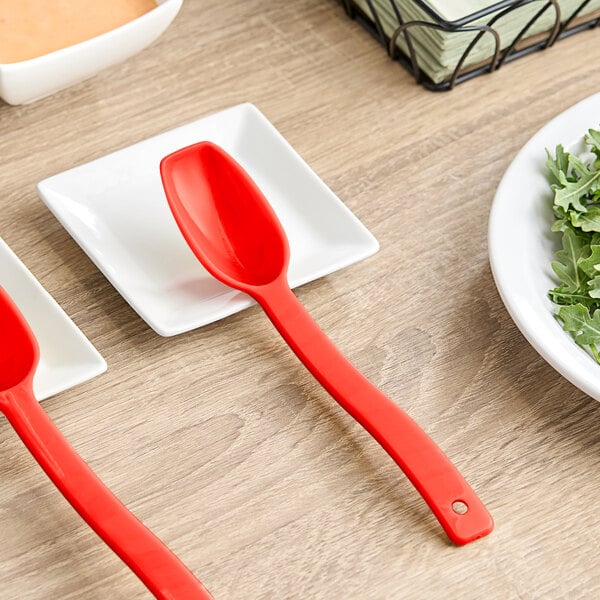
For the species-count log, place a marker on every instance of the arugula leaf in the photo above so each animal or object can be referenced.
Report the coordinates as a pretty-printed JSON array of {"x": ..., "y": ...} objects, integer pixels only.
[
  {"x": 562, "y": 298},
  {"x": 562, "y": 219},
  {"x": 592, "y": 139},
  {"x": 587, "y": 221},
  {"x": 569, "y": 193},
  {"x": 594, "y": 287},
  {"x": 575, "y": 248},
  {"x": 557, "y": 165},
  {"x": 591, "y": 264},
  {"x": 577, "y": 320}
]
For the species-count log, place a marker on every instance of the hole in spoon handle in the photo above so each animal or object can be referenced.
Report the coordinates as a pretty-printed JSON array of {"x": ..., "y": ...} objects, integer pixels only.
[
  {"x": 428, "y": 468},
  {"x": 460, "y": 507}
]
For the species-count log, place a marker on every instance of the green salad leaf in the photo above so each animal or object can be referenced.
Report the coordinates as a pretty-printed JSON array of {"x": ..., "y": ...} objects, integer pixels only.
[
  {"x": 584, "y": 327},
  {"x": 575, "y": 182},
  {"x": 567, "y": 267}
]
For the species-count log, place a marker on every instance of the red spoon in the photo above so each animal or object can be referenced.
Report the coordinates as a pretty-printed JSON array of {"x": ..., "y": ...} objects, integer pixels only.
[
  {"x": 158, "y": 568},
  {"x": 236, "y": 235}
]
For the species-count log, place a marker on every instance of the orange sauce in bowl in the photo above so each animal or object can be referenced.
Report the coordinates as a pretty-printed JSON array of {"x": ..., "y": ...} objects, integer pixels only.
[{"x": 31, "y": 28}]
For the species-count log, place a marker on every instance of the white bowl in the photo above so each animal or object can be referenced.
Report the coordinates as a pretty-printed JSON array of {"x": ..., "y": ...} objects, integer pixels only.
[{"x": 30, "y": 80}]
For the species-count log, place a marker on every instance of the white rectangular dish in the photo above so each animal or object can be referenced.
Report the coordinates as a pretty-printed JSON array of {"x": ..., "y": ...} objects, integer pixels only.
[
  {"x": 67, "y": 358},
  {"x": 116, "y": 209}
]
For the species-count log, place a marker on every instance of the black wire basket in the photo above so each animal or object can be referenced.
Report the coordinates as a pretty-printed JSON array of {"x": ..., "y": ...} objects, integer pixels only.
[{"x": 441, "y": 53}]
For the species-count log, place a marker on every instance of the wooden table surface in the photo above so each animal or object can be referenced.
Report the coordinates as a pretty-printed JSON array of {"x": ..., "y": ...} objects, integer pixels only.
[{"x": 218, "y": 439}]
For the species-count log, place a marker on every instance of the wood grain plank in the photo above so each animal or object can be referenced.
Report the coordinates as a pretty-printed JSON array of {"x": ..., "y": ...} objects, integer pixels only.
[{"x": 218, "y": 439}]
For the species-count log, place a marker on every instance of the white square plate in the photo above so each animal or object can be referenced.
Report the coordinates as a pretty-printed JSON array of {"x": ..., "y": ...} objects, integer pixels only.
[
  {"x": 67, "y": 358},
  {"x": 116, "y": 209}
]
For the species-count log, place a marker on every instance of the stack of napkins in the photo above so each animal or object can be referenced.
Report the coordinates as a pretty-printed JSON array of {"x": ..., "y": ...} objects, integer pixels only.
[{"x": 438, "y": 51}]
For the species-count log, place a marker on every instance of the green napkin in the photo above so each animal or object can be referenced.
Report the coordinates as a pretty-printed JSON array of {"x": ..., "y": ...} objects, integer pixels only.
[{"x": 439, "y": 51}]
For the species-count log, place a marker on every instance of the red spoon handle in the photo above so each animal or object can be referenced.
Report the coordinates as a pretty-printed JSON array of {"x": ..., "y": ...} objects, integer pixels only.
[
  {"x": 427, "y": 467},
  {"x": 151, "y": 560}
]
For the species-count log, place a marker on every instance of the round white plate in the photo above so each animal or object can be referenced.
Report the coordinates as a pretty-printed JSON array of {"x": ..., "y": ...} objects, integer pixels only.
[{"x": 521, "y": 245}]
